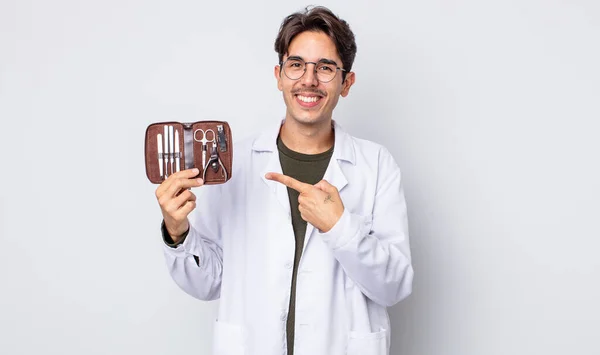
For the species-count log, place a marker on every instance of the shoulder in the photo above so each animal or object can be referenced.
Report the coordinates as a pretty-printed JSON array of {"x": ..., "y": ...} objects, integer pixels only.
[
  {"x": 248, "y": 151},
  {"x": 245, "y": 144},
  {"x": 364, "y": 145},
  {"x": 243, "y": 147},
  {"x": 370, "y": 152}
]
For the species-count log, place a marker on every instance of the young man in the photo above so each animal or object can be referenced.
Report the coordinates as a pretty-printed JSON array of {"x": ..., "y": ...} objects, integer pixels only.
[{"x": 307, "y": 244}]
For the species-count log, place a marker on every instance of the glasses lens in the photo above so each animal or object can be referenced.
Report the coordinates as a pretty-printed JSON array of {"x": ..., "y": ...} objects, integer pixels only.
[
  {"x": 326, "y": 72},
  {"x": 294, "y": 68}
]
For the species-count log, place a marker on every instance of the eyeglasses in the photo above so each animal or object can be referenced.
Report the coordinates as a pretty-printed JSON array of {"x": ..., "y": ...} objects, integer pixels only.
[{"x": 295, "y": 67}]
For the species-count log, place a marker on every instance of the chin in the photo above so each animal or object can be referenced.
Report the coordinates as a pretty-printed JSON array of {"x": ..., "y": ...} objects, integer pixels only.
[
  {"x": 308, "y": 120},
  {"x": 307, "y": 117}
]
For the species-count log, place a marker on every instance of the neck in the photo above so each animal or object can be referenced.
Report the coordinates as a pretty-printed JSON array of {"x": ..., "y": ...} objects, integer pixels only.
[{"x": 307, "y": 139}]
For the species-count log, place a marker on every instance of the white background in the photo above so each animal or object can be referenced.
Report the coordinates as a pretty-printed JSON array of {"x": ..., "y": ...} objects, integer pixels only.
[{"x": 491, "y": 108}]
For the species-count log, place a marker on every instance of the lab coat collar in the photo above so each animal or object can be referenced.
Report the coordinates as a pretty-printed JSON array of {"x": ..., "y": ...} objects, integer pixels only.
[{"x": 343, "y": 147}]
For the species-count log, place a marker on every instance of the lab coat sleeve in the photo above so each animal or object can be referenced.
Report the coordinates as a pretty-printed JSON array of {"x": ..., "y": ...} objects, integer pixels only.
[
  {"x": 374, "y": 249},
  {"x": 200, "y": 279}
]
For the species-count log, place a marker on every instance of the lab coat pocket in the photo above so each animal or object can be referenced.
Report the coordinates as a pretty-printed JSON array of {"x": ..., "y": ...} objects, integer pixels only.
[
  {"x": 228, "y": 339},
  {"x": 360, "y": 343}
]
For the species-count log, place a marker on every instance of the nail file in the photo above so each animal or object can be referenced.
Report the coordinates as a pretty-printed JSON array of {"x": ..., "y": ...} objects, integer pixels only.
[
  {"x": 166, "y": 152},
  {"x": 204, "y": 148},
  {"x": 160, "y": 154},
  {"x": 171, "y": 148},
  {"x": 177, "y": 157}
]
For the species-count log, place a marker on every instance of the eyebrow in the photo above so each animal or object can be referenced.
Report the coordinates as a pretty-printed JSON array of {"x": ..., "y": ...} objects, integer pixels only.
[{"x": 322, "y": 60}]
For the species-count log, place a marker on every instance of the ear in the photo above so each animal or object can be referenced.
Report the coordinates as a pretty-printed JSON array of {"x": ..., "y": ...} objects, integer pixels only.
[
  {"x": 277, "y": 72},
  {"x": 350, "y": 78}
]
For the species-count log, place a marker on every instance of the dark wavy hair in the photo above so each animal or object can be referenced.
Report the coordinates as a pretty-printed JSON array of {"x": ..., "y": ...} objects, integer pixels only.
[{"x": 319, "y": 19}]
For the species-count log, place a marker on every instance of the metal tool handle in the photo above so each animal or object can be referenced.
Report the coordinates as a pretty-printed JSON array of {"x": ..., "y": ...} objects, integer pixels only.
[
  {"x": 166, "y": 152},
  {"x": 171, "y": 151},
  {"x": 177, "y": 155},
  {"x": 222, "y": 167},
  {"x": 160, "y": 154}
]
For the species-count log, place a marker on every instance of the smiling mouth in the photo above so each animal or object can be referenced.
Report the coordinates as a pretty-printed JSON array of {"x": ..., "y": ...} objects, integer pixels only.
[{"x": 308, "y": 99}]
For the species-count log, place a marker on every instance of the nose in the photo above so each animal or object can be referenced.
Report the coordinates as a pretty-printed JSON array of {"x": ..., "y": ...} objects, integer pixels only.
[{"x": 310, "y": 75}]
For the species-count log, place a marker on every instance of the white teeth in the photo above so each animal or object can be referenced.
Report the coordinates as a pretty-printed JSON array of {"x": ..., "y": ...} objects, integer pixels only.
[{"x": 308, "y": 99}]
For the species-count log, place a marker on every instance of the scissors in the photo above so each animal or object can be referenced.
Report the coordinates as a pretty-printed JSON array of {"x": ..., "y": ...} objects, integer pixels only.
[{"x": 204, "y": 141}]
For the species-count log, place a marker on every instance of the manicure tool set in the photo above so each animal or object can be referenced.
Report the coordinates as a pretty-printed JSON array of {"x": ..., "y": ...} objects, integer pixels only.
[{"x": 174, "y": 146}]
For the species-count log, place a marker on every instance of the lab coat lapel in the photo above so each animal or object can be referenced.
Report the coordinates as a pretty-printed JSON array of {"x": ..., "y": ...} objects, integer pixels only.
[
  {"x": 343, "y": 152},
  {"x": 280, "y": 190},
  {"x": 267, "y": 144}
]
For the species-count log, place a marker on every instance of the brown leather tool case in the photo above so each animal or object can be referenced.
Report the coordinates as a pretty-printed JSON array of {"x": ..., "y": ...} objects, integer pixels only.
[{"x": 175, "y": 146}]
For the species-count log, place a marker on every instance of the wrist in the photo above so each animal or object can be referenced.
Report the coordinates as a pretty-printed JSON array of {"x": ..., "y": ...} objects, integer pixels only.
[{"x": 174, "y": 237}]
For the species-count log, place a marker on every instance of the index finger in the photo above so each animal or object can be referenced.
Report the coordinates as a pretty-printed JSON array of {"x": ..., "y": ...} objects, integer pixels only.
[
  {"x": 289, "y": 182},
  {"x": 186, "y": 175}
]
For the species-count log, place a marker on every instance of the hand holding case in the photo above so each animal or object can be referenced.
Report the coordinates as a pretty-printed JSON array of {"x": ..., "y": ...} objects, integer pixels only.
[{"x": 175, "y": 146}]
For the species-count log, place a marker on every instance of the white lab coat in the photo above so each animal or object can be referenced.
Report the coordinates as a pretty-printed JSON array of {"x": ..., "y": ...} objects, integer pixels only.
[{"x": 242, "y": 233}]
